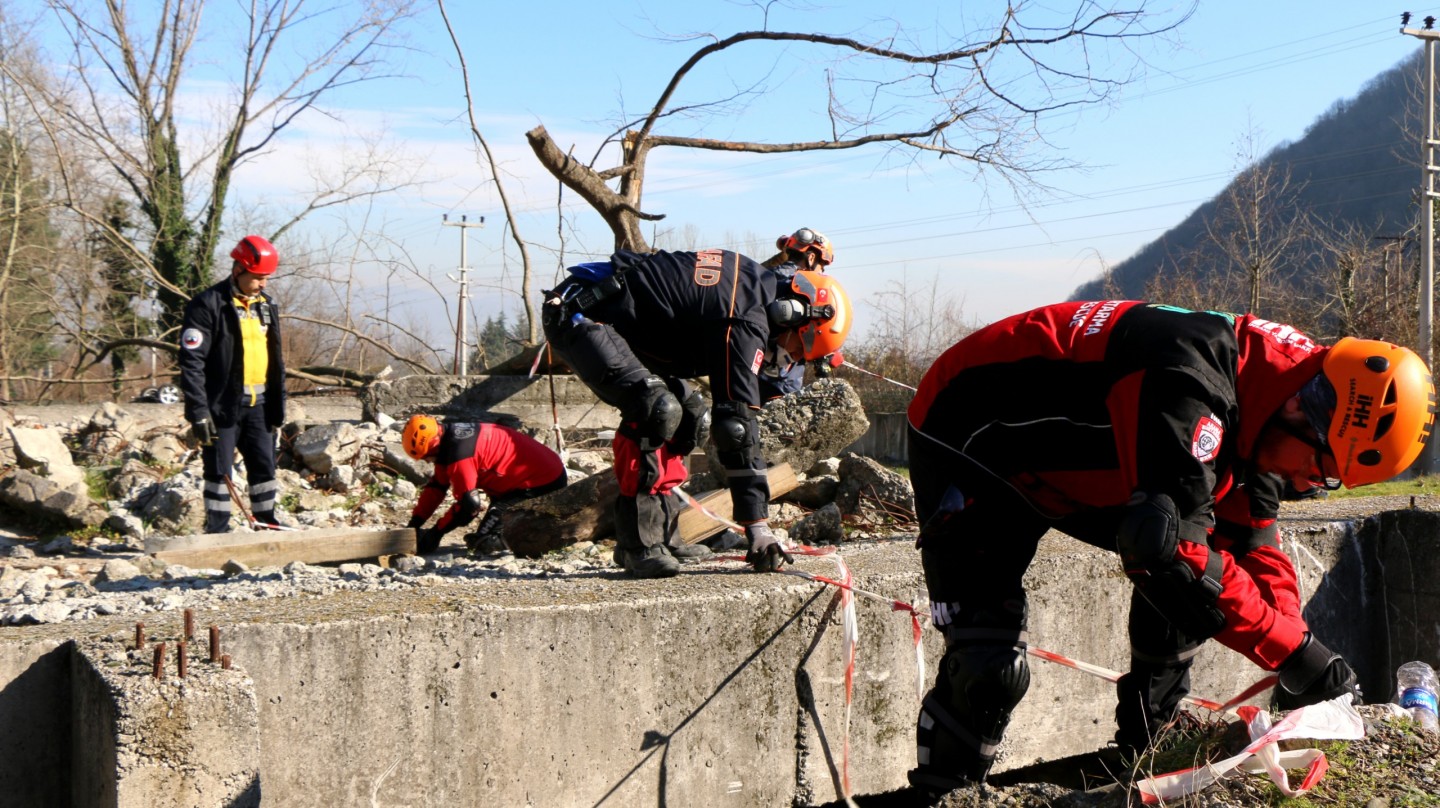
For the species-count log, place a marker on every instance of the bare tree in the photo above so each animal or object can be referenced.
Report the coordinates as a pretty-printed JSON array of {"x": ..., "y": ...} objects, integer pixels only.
[
  {"x": 129, "y": 71},
  {"x": 914, "y": 324},
  {"x": 1258, "y": 224},
  {"x": 981, "y": 100},
  {"x": 532, "y": 325},
  {"x": 27, "y": 238}
]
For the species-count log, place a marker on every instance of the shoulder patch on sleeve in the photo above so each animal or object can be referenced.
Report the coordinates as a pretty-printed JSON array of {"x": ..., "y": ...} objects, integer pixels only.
[
  {"x": 192, "y": 338},
  {"x": 1205, "y": 443},
  {"x": 757, "y": 362}
]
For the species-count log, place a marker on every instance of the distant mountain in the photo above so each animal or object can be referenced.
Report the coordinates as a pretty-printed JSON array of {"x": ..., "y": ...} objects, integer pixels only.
[{"x": 1355, "y": 165}]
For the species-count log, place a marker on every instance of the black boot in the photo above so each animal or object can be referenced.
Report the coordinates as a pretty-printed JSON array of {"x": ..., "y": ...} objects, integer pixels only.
[
  {"x": 267, "y": 518},
  {"x": 639, "y": 538},
  {"x": 1149, "y": 698},
  {"x": 217, "y": 521}
]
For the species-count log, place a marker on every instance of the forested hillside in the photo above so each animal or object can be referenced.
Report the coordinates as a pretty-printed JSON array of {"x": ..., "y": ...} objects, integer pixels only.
[{"x": 1319, "y": 230}]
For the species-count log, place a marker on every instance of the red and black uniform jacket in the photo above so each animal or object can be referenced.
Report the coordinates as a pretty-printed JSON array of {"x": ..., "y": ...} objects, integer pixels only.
[
  {"x": 1079, "y": 405},
  {"x": 489, "y": 457}
]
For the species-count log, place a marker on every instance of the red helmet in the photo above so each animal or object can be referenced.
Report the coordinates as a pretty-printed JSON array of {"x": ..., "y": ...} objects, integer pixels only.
[
  {"x": 1385, "y": 412},
  {"x": 807, "y": 240},
  {"x": 817, "y": 310},
  {"x": 256, "y": 255},
  {"x": 420, "y": 436}
]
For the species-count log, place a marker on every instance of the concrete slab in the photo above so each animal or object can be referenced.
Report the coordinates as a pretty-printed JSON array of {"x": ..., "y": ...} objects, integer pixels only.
[{"x": 719, "y": 686}]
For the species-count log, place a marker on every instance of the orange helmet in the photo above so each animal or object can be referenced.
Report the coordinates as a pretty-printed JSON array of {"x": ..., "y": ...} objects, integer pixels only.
[
  {"x": 256, "y": 255},
  {"x": 420, "y": 436},
  {"x": 1384, "y": 412},
  {"x": 807, "y": 240},
  {"x": 817, "y": 309}
]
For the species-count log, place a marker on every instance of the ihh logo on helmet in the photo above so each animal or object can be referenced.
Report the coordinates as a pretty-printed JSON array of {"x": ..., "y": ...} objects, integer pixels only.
[{"x": 1360, "y": 417}]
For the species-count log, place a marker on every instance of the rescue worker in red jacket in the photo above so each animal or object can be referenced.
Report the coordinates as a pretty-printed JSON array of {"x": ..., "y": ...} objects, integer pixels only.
[
  {"x": 1161, "y": 434},
  {"x": 634, "y": 327},
  {"x": 471, "y": 458}
]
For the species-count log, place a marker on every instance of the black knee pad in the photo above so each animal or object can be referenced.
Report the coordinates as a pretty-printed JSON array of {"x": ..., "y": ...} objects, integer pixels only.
[
  {"x": 1148, "y": 541},
  {"x": 694, "y": 427},
  {"x": 736, "y": 435},
  {"x": 963, "y": 718},
  {"x": 655, "y": 410}
]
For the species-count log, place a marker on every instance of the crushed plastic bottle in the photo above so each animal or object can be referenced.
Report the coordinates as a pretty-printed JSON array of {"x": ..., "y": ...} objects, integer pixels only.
[{"x": 1417, "y": 686}]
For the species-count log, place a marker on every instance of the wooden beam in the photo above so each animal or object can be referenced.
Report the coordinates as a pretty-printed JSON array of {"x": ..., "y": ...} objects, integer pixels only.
[
  {"x": 695, "y": 525},
  {"x": 584, "y": 512},
  {"x": 278, "y": 548}
]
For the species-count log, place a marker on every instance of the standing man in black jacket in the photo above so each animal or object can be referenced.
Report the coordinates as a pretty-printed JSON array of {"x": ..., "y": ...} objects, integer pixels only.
[{"x": 233, "y": 377}]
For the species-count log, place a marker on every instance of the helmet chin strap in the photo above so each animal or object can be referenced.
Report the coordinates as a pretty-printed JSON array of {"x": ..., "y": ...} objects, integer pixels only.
[{"x": 1279, "y": 421}]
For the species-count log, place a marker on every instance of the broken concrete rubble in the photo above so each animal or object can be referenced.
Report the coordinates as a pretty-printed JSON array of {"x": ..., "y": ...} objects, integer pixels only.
[
  {"x": 370, "y": 484},
  {"x": 45, "y": 498},
  {"x": 796, "y": 431}
]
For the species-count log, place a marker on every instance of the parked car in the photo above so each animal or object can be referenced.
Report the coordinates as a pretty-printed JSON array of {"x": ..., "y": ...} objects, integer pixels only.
[{"x": 164, "y": 394}]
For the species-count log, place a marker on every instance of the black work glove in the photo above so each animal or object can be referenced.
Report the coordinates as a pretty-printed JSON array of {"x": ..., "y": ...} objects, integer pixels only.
[
  {"x": 427, "y": 540},
  {"x": 204, "y": 431},
  {"x": 1314, "y": 674},
  {"x": 766, "y": 551},
  {"x": 415, "y": 523}
]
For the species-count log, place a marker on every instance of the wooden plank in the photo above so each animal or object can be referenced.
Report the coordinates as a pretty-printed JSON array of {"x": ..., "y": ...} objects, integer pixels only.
[
  {"x": 694, "y": 525},
  {"x": 278, "y": 548},
  {"x": 584, "y": 512}
]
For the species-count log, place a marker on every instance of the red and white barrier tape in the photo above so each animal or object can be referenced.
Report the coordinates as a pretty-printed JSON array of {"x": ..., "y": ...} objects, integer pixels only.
[
  {"x": 1261, "y": 686},
  {"x": 854, "y": 366},
  {"x": 1152, "y": 789},
  {"x": 844, "y": 583},
  {"x": 691, "y": 501},
  {"x": 1336, "y": 719}
]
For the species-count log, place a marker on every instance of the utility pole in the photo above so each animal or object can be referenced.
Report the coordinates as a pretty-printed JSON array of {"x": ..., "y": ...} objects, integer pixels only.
[
  {"x": 461, "y": 341},
  {"x": 1428, "y": 35}
]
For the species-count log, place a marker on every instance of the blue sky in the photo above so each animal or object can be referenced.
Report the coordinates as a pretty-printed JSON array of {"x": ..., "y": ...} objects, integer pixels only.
[{"x": 1168, "y": 142}]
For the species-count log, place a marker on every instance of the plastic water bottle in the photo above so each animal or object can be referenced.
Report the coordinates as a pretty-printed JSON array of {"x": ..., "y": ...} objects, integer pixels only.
[{"x": 1417, "y": 685}]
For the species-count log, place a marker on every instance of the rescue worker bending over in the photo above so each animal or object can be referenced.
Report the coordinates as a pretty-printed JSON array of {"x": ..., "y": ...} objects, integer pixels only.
[
  {"x": 632, "y": 328},
  {"x": 470, "y": 459},
  {"x": 1160, "y": 434}
]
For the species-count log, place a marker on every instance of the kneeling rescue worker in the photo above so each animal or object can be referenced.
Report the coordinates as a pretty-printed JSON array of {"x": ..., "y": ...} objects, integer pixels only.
[
  {"x": 471, "y": 458},
  {"x": 1160, "y": 434},
  {"x": 632, "y": 328}
]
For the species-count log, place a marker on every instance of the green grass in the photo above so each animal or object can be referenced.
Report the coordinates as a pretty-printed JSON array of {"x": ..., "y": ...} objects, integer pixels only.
[{"x": 1429, "y": 484}]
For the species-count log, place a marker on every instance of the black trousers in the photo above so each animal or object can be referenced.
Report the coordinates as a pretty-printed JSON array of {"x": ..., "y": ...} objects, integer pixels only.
[
  {"x": 977, "y": 539},
  {"x": 256, "y": 444}
]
